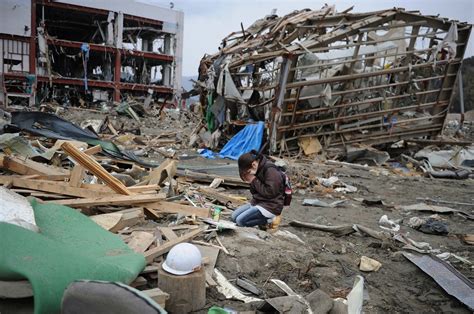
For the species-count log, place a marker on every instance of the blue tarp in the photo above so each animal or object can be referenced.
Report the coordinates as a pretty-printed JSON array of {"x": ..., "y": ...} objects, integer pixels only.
[{"x": 250, "y": 137}]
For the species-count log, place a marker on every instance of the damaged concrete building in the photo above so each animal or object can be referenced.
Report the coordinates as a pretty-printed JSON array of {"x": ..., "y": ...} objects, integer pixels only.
[
  {"x": 73, "y": 51},
  {"x": 335, "y": 78}
]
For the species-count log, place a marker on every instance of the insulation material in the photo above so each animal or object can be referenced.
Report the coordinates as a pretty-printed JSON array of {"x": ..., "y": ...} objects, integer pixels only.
[{"x": 16, "y": 210}]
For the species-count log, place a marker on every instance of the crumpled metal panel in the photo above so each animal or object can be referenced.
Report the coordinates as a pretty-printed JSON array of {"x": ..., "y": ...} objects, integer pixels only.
[{"x": 445, "y": 275}]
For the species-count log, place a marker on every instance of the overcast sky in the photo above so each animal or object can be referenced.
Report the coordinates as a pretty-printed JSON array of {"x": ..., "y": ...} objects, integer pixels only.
[{"x": 206, "y": 22}]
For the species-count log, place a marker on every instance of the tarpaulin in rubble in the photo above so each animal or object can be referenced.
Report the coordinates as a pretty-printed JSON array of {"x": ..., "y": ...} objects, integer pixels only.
[
  {"x": 51, "y": 126},
  {"x": 70, "y": 247},
  {"x": 250, "y": 137}
]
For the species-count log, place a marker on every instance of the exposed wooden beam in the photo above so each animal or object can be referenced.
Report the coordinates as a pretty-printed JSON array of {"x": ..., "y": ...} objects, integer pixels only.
[
  {"x": 113, "y": 200},
  {"x": 151, "y": 254}
]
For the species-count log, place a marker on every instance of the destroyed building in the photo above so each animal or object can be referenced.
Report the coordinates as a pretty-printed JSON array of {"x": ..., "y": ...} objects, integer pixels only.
[
  {"x": 335, "y": 78},
  {"x": 74, "y": 51}
]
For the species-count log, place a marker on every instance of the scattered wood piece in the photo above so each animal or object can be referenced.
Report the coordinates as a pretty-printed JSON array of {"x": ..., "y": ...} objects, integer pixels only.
[
  {"x": 158, "y": 296},
  {"x": 119, "y": 220},
  {"x": 28, "y": 166},
  {"x": 144, "y": 188},
  {"x": 222, "y": 245},
  {"x": 93, "y": 150},
  {"x": 175, "y": 208},
  {"x": 229, "y": 291},
  {"x": 221, "y": 197},
  {"x": 467, "y": 238},
  {"x": 158, "y": 251},
  {"x": 207, "y": 244},
  {"x": 347, "y": 164},
  {"x": 152, "y": 214},
  {"x": 113, "y": 200},
  {"x": 184, "y": 227},
  {"x": 62, "y": 188},
  {"x": 150, "y": 269},
  {"x": 168, "y": 233},
  {"x": 211, "y": 254},
  {"x": 77, "y": 176},
  {"x": 78, "y": 172},
  {"x": 93, "y": 166},
  {"x": 166, "y": 169},
  {"x": 208, "y": 178},
  {"x": 210, "y": 281},
  {"x": 139, "y": 282},
  {"x": 215, "y": 183},
  {"x": 338, "y": 230},
  {"x": 380, "y": 235},
  {"x": 140, "y": 241}
]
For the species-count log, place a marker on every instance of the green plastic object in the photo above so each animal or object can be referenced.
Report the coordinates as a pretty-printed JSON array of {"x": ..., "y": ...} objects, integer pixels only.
[
  {"x": 217, "y": 310},
  {"x": 69, "y": 247}
]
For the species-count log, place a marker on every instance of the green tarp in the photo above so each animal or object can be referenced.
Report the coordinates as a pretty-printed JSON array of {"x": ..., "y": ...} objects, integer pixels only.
[{"x": 70, "y": 246}]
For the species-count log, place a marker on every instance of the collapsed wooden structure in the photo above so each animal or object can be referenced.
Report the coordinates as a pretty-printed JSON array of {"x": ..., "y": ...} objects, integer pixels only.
[{"x": 336, "y": 77}]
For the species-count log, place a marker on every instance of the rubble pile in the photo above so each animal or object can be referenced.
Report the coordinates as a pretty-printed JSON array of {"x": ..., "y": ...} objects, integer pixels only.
[
  {"x": 186, "y": 198},
  {"x": 334, "y": 78}
]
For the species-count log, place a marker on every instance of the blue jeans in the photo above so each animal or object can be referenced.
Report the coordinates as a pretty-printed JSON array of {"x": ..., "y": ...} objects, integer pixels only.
[{"x": 248, "y": 216}]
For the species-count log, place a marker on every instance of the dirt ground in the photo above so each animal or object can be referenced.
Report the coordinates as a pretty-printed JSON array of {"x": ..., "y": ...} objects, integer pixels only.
[{"x": 331, "y": 262}]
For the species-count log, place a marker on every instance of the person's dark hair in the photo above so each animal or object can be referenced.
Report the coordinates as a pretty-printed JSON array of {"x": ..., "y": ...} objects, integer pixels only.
[{"x": 245, "y": 161}]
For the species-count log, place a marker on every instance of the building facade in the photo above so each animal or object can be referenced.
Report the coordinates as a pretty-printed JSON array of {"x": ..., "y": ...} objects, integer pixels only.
[{"x": 74, "y": 51}]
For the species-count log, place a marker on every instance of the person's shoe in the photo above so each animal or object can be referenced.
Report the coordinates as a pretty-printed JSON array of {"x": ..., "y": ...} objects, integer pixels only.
[{"x": 273, "y": 226}]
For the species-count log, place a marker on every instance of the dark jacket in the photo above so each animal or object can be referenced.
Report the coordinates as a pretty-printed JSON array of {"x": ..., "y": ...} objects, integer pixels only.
[{"x": 268, "y": 187}]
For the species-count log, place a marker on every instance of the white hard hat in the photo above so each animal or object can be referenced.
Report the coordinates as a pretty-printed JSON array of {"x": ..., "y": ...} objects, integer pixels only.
[{"x": 182, "y": 259}]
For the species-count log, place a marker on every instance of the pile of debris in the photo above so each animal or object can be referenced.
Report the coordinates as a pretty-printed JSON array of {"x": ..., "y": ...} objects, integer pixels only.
[
  {"x": 335, "y": 77},
  {"x": 75, "y": 178}
]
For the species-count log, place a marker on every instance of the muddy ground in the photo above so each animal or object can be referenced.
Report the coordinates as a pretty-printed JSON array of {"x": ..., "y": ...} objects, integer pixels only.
[{"x": 331, "y": 262}]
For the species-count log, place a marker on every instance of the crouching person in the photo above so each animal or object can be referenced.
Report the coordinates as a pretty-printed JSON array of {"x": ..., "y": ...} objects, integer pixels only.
[{"x": 267, "y": 185}]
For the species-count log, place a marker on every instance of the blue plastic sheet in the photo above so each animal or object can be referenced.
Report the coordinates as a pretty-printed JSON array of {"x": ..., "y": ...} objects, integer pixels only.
[{"x": 250, "y": 137}]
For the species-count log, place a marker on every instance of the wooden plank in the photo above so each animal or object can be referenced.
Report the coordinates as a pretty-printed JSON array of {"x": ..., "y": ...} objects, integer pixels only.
[
  {"x": 62, "y": 188},
  {"x": 166, "y": 169},
  {"x": 175, "y": 208},
  {"x": 221, "y": 197},
  {"x": 118, "y": 220},
  {"x": 151, "y": 254},
  {"x": 93, "y": 166},
  {"x": 113, "y": 200},
  {"x": 158, "y": 296},
  {"x": 28, "y": 166},
  {"x": 144, "y": 188},
  {"x": 93, "y": 150},
  {"x": 107, "y": 221},
  {"x": 77, "y": 176},
  {"x": 98, "y": 188},
  {"x": 78, "y": 172},
  {"x": 139, "y": 282},
  {"x": 168, "y": 233},
  {"x": 151, "y": 214},
  {"x": 150, "y": 269},
  {"x": 140, "y": 241},
  {"x": 203, "y": 177},
  {"x": 49, "y": 177}
]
